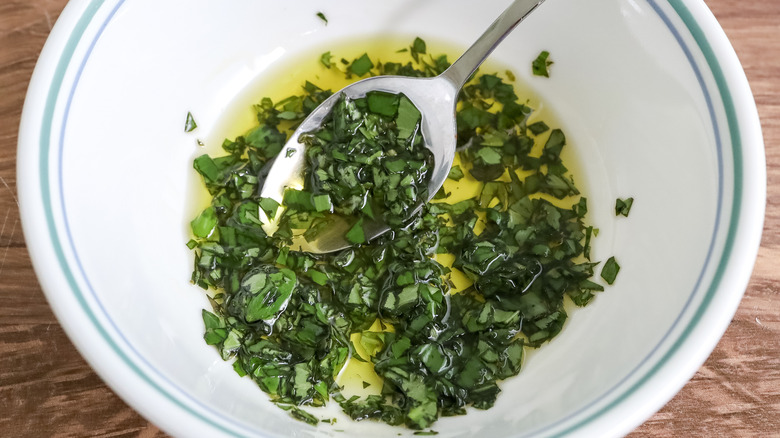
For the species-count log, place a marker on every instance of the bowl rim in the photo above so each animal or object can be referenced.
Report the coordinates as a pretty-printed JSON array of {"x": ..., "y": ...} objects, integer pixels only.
[{"x": 155, "y": 401}]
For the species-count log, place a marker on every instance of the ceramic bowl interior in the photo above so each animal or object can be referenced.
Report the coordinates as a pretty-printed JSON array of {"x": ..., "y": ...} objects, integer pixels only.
[{"x": 649, "y": 93}]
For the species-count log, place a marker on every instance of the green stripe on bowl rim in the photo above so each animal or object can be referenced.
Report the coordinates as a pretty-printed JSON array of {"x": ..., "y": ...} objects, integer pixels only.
[{"x": 45, "y": 142}]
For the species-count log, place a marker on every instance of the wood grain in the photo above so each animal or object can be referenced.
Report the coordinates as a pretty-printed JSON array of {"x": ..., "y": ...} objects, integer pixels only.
[{"x": 47, "y": 389}]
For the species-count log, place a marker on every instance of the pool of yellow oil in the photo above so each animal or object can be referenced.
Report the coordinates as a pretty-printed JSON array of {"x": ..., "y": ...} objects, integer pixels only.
[{"x": 287, "y": 77}]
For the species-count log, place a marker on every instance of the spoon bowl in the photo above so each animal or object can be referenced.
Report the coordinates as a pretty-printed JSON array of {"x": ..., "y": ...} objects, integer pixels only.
[
  {"x": 435, "y": 98},
  {"x": 429, "y": 95}
]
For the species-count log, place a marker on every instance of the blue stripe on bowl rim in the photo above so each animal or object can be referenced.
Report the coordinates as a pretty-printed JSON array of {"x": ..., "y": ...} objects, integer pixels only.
[{"x": 55, "y": 90}]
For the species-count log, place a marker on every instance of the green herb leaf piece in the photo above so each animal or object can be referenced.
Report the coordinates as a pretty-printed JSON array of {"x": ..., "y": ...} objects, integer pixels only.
[
  {"x": 489, "y": 155},
  {"x": 540, "y": 66},
  {"x": 581, "y": 207},
  {"x": 239, "y": 369},
  {"x": 322, "y": 203},
  {"x": 298, "y": 200},
  {"x": 610, "y": 270},
  {"x": 325, "y": 59},
  {"x": 356, "y": 235},
  {"x": 266, "y": 292},
  {"x": 554, "y": 146},
  {"x": 189, "y": 124},
  {"x": 361, "y": 65},
  {"x": 383, "y": 103},
  {"x": 205, "y": 223},
  {"x": 418, "y": 48},
  {"x": 300, "y": 414},
  {"x": 269, "y": 206},
  {"x": 456, "y": 173},
  {"x": 319, "y": 277},
  {"x": 538, "y": 128},
  {"x": 408, "y": 117},
  {"x": 215, "y": 332},
  {"x": 623, "y": 207},
  {"x": 207, "y": 168},
  {"x": 210, "y": 320},
  {"x": 322, "y": 17}
]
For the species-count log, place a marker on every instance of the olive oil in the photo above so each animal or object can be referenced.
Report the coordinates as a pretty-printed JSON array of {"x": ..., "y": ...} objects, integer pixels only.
[{"x": 288, "y": 76}]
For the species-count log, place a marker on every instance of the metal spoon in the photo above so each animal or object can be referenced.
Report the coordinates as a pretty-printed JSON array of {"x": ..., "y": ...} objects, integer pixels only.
[{"x": 434, "y": 97}]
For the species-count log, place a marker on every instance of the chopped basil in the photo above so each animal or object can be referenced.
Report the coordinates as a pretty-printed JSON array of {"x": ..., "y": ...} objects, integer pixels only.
[
  {"x": 299, "y": 200},
  {"x": 269, "y": 206},
  {"x": 264, "y": 293},
  {"x": 489, "y": 156},
  {"x": 288, "y": 319},
  {"x": 538, "y": 128},
  {"x": 456, "y": 173},
  {"x": 382, "y": 103},
  {"x": 300, "y": 414},
  {"x": 623, "y": 206},
  {"x": 408, "y": 119},
  {"x": 365, "y": 159},
  {"x": 204, "y": 224},
  {"x": 325, "y": 60},
  {"x": 418, "y": 48},
  {"x": 356, "y": 235},
  {"x": 610, "y": 270},
  {"x": 581, "y": 207},
  {"x": 362, "y": 65},
  {"x": 322, "y": 203},
  {"x": 189, "y": 124},
  {"x": 322, "y": 17},
  {"x": 541, "y": 65}
]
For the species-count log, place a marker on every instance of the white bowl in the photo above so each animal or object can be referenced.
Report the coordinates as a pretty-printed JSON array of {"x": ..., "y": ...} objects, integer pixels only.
[{"x": 650, "y": 93}]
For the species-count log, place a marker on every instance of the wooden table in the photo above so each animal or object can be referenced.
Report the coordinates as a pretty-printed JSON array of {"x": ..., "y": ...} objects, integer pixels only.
[{"x": 47, "y": 389}]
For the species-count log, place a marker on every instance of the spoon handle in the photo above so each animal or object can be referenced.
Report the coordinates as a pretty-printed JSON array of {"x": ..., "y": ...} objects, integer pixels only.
[{"x": 460, "y": 71}]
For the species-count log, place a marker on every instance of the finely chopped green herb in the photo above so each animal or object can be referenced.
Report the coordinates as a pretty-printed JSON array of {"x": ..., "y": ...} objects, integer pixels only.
[
  {"x": 541, "y": 65},
  {"x": 189, "y": 124},
  {"x": 366, "y": 160},
  {"x": 623, "y": 206},
  {"x": 288, "y": 319},
  {"x": 610, "y": 270}
]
